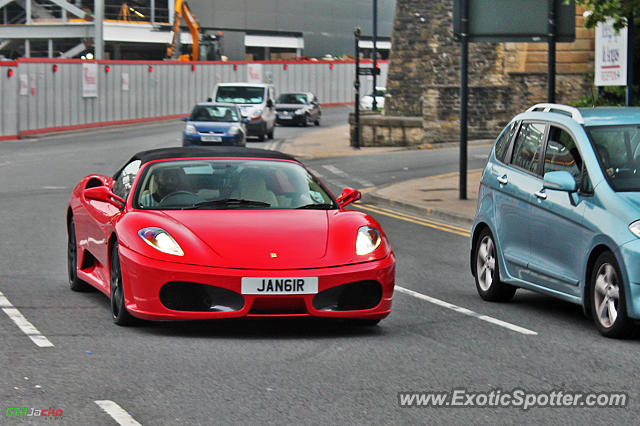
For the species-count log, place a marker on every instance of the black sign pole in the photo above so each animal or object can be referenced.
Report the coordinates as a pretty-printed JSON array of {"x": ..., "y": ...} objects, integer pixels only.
[
  {"x": 356, "y": 84},
  {"x": 374, "y": 105},
  {"x": 464, "y": 95},
  {"x": 551, "y": 57},
  {"x": 630, "y": 79}
]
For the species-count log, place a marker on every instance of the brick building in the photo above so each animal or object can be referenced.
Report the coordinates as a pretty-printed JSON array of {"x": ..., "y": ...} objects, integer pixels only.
[{"x": 504, "y": 78}]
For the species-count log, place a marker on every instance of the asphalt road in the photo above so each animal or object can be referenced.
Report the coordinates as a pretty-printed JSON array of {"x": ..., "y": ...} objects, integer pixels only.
[{"x": 280, "y": 372}]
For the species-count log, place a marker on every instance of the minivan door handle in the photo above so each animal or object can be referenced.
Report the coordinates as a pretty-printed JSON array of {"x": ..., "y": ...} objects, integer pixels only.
[
  {"x": 503, "y": 179},
  {"x": 541, "y": 194}
]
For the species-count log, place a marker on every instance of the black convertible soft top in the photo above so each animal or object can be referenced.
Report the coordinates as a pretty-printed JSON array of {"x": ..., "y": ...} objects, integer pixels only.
[{"x": 214, "y": 151}]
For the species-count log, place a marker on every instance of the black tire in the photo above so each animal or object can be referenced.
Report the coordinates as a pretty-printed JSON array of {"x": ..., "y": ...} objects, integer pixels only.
[
  {"x": 261, "y": 137},
  {"x": 608, "y": 301},
  {"x": 486, "y": 270},
  {"x": 317, "y": 122},
  {"x": 305, "y": 122},
  {"x": 119, "y": 312},
  {"x": 75, "y": 283},
  {"x": 273, "y": 129}
]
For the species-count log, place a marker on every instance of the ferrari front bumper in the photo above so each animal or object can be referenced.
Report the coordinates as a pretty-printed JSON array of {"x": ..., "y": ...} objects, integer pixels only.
[{"x": 144, "y": 279}]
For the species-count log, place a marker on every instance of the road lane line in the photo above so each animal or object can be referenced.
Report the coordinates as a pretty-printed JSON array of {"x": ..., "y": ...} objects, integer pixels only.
[
  {"x": 467, "y": 312},
  {"x": 117, "y": 413},
  {"x": 464, "y": 232},
  {"x": 23, "y": 324},
  {"x": 333, "y": 169}
]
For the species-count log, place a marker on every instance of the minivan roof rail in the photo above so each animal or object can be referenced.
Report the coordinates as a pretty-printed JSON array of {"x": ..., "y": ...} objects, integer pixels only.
[{"x": 574, "y": 112}]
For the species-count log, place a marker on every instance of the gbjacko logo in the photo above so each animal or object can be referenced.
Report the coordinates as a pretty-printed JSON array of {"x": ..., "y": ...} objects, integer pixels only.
[{"x": 33, "y": 412}]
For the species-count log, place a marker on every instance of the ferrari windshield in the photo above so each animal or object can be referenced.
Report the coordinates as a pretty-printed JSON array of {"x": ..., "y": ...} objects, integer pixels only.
[
  {"x": 618, "y": 151},
  {"x": 222, "y": 184}
]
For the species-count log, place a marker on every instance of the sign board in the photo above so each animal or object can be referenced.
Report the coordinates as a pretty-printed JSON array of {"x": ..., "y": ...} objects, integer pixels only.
[
  {"x": 254, "y": 73},
  {"x": 24, "y": 84},
  {"x": 125, "y": 81},
  {"x": 611, "y": 55},
  {"x": 497, "y": 21},
  {"x": 365, "y": 71},
  {"x": 89, "y": 80}
]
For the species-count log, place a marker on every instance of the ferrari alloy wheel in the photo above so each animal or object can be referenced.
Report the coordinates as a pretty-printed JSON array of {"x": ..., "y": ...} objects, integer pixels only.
[
  {"x": 486, "y": 270},
  {"x": 75, "y": 283},
  {"x": 607, "y": 298},
  {"x": 118, "y": 310}
]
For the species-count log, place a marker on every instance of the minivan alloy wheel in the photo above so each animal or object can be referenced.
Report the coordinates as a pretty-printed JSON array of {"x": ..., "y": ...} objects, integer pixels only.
[
  {"x": 486, "y": 263},
  {"x": 606, "y": 295}
]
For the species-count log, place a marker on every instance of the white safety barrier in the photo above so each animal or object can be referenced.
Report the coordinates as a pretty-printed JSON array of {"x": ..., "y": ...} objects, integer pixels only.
[{"x": 45, "y": 95}]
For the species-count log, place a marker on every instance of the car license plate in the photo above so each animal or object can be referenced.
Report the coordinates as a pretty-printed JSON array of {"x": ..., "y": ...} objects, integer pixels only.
[
  {"x": 285, "y": 117},
  {"x": 277, "y": 286},
  {"x": 211, "y": 138}
]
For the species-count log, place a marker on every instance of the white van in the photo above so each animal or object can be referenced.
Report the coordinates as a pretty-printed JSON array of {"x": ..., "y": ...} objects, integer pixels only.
[{"x": 256, "y": 102}]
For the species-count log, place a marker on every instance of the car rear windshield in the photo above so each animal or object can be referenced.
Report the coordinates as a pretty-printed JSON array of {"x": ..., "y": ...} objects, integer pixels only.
[
  {"x": 240, "y": 95},
  {"x": 618, "y": 151},
  {"x": 214, "y": 113},
  {"x": 222, "y": 184}
]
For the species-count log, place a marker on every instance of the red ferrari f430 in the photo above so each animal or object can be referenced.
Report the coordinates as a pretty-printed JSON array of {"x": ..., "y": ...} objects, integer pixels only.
[{"x": 204, "y": 233}]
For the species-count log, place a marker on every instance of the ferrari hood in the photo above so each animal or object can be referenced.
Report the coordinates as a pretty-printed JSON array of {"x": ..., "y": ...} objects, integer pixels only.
[{"x": 260, "y": 239}]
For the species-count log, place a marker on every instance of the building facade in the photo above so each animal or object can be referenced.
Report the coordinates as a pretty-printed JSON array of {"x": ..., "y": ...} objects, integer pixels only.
[
  {"x": 504, "y": 78},
  {"x": 141, "y": 29}
]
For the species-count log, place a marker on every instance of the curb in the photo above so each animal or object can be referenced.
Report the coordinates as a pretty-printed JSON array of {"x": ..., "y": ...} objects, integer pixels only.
[{"x": 373, "y": 198}]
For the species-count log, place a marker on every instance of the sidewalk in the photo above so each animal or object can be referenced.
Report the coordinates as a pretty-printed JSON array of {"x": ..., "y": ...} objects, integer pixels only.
[{"x": 435, "y": 196}]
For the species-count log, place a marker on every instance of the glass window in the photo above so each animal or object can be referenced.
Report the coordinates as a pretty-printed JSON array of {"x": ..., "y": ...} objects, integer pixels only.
[
  {"x": 124, "y": 180},
  {"x": 502, "y": 145},
  {"x": 562, "y": 154},
  {"x": 218, "y": 113},
  {"x": 220, "y": 184},
  {"x": 240, "y": 94},
  {"x": 618, "y": 151},
  {"x": 526, "y": 150}
]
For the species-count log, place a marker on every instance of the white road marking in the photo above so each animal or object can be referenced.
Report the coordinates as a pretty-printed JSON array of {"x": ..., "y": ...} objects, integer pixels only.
[
  {"x": 333, "y": 169},
  {"x": 315, "y": 172},
  {"x": 23, "y": 324},
  {"x": 467, "y": 312},
  {"x": 117, "y": 413}
]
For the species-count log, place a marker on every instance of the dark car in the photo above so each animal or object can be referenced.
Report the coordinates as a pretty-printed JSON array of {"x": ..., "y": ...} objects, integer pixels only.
[
  {"x": 300, "y": 108},
  {"x": 214, "y": 124}
]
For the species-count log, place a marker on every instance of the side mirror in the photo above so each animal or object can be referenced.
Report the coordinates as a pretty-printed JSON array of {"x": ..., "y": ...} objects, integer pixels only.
[
  {"x": 209, "y": 100},
  {"x": 184, "y": 118},
  {"x": 245, "y": 120},
  {"x": 349, "y": 195},
  {"x": 269, "y": 103},
  {"x": 102, "y": 193},
  {"x": 560, "y": 181}
]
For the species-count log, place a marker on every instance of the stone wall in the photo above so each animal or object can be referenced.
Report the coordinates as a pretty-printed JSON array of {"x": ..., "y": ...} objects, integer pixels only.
[
  {"x": 504, "y": 78},
  {"x": 377, "y": 130}
]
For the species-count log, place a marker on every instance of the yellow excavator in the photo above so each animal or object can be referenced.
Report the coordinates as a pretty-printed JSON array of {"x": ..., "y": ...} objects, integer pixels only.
[{"x": 205, "y": 47}]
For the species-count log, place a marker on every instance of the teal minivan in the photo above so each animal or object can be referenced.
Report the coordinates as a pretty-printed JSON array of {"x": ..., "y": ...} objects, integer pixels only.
[{"x": 559, "y": 212}]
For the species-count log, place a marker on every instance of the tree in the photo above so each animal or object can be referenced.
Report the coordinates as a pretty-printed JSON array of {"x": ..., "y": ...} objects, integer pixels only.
[{"x": 619, "y": 10}]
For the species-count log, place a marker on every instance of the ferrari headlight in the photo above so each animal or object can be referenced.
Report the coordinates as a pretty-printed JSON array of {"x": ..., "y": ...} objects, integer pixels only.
[
  {"x": 160, "y": 240},
  {"x": 368, "y": 240},
  {"x": 190, "y": 129},
  {"x": 234, "y": 130},
  {"x": 299, "y": 111},
  {"x": 635, "y": 228}
]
